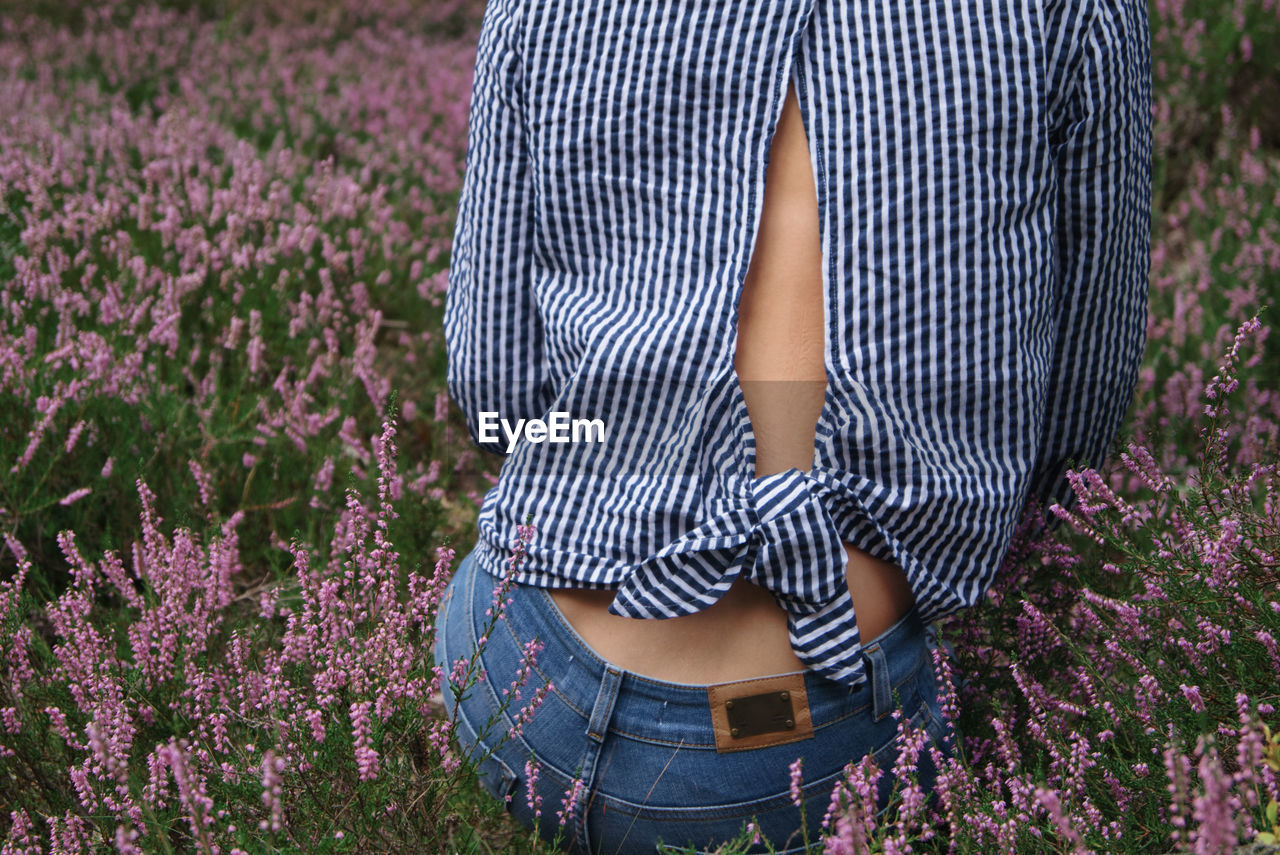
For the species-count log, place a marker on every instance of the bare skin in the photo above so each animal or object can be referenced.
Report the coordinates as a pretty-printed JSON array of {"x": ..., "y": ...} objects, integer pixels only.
[{"x": 780, "y": 338}]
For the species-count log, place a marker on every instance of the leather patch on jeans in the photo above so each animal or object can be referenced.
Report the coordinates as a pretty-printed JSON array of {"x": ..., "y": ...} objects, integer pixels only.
[{"x": 759, "y": 713}]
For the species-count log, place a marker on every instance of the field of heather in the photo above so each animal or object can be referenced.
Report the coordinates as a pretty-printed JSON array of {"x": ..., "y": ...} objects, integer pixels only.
[{"x": 232, "y": 487}]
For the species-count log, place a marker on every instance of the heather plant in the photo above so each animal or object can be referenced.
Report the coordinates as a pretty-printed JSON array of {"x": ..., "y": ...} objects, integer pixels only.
[
  {"x": 1215, "y": 262},
  {"x": 304, "y": 716},
  {"x": 215, "y": 239},
  {"x": 1215, "y": 65},
  {"x": 1120, "y": 659},
  {"x": 224, "y": 239}
]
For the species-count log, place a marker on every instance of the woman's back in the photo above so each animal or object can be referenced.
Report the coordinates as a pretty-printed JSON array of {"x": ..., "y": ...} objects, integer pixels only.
[
  {"x": 981, "y": 178},
  {"x": 780, "y": 366}
]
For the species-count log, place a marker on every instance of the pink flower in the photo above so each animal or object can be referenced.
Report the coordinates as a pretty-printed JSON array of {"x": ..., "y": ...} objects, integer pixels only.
[
  {"x": 366, "y": 757},
  {"x": 532, "y": 797},
  {"x": 569, "y": 804},
  {"x": 1192, "y": 694},
  {"x": 797, "y": 795},
  {"x": 75, "y": 495}
]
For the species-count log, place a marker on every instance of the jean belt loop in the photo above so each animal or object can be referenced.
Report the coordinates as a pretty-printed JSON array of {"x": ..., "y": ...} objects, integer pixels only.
[
  {"x": 881, "y": 697},
  {"x": 597, "y": 727},
  {"x": 602, "y": 710}
]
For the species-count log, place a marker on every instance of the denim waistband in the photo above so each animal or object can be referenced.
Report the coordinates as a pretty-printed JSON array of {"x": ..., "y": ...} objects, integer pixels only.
[{"x": 647, "y": 708}]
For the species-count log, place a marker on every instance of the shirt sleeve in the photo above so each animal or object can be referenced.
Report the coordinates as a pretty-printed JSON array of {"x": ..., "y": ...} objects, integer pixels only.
[
  {"x": 1103, "y": 158},
  {"x": 492, "y": 328}
]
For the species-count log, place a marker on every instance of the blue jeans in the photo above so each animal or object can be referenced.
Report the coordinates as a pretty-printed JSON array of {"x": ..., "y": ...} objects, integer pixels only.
[{"x": 646, "y": 750}]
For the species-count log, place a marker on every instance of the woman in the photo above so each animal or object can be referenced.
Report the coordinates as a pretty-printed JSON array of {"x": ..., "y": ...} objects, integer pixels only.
[{"x": 843, "y": 288}]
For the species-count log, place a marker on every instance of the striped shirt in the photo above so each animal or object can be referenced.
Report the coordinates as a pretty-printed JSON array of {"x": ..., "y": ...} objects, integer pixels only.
[{"x": 983, "y": 182}]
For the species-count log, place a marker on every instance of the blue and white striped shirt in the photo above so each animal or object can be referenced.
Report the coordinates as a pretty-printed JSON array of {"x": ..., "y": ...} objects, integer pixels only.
[{"x": 983, "y": 181}]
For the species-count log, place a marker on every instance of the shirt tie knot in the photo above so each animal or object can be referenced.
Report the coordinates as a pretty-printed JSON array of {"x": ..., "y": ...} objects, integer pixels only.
[{"x": 778, "y": 533}]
